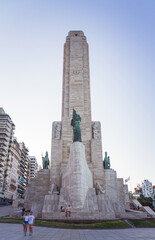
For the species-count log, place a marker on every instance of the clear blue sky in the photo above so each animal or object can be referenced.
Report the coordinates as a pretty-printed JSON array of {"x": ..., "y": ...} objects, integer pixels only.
[{"x": 121, "y": 37}]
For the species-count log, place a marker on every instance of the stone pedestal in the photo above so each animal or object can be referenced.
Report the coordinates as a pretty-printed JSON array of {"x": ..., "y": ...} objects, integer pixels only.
[
  {"x": 50, "y": 204},
  {"x": 110, "y": 184},
  {"x": 77, "y": 178},
  {"x": 36, "y": 191}
]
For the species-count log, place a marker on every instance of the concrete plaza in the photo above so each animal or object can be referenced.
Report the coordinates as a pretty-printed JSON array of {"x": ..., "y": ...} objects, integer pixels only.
[{"x": 15, "y": 232}]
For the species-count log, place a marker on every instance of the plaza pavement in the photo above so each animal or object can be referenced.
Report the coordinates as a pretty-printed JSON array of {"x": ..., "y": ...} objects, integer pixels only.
[
  {"x": 6, "y": 210},
  {"x": 15, "y": 232}
]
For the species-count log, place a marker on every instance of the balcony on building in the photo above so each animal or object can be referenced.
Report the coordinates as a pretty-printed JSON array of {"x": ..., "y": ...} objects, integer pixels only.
[
  {"x": 2, "y": 159},
  {"x": 5, "y": 126},
  {"x": 2, "y": 155},
  {"x": 1, "y": 176},
  {"x": 20, "y": 185},
  {"x": 22, "y": 170},
  {"x": 22, "y": 165},
  {"x": 3, "y": 148},
  {"x": 2, "y": 164},
  {"x": 20, "y": 191},
  {"x": 5, "y": 132},
  {"x": 20, "y": 173},
  {"x": 4, "y": 136},
  {"x": 3, "y": 142},
  {"x": 2, "y": 170}
]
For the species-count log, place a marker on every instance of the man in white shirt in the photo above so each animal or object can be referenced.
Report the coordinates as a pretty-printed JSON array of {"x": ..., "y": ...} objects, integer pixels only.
[{"x": 31, "y": 222}]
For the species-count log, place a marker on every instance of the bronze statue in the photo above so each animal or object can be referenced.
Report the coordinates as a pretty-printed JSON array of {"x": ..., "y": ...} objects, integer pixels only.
[
  {"x": 106, "y": 162},
  {"x": 45, "y": 161},
  {"x": 75, "y": 123}
]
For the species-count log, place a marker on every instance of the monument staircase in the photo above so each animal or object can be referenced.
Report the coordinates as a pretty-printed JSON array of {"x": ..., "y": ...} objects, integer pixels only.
[{"x": 146, "y": 209}]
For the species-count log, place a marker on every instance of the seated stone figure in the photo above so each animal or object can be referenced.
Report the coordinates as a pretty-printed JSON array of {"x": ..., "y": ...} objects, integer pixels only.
[
  {"x": 54, "y": 189},
  {"x": 99, "y": 189}
]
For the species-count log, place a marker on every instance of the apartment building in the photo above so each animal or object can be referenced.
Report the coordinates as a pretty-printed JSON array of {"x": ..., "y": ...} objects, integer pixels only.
[
  {"x": 6, "y": 151},
  {"x": 24, "y": 170},
  {"x": 147, "y": 189},
  {"x": 33, "y": 167}
]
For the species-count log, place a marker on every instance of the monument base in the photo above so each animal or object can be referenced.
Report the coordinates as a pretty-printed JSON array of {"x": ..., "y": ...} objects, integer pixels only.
[
  {"x": 77, "y": 178},
  {"x": 78, "y": 192}
]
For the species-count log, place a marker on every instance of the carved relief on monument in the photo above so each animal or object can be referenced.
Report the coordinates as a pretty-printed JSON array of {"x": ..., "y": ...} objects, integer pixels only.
[
  {"x": 76, "y": 72},
  {"x": 96, "y": 130},
  {"x": 56, "y": 130}
]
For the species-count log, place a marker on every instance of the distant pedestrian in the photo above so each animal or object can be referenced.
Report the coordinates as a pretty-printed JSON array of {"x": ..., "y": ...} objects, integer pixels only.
[
  {"x": 25, "y": 223},
  {"x": 31, "y": 219},
  {"x": 23, "y": 212},
  {"x": 68, "y": 210}
]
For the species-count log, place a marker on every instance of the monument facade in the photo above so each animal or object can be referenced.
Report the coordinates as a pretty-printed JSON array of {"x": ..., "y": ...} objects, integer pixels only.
[{"x": 77, "y": 174}]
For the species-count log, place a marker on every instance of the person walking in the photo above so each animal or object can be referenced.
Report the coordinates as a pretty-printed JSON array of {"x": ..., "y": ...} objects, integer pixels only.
[
  {"x": 31, "y": 219},
  {"x": 25, "y": 223}
]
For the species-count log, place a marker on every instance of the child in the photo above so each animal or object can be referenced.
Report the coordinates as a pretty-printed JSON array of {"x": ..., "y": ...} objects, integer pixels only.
[
  {"x": 68, "y": 210},
  {"x": 25, "y": 223},
  {"x": 62, "y": 209},
  {"x": 31, "y": 222}
]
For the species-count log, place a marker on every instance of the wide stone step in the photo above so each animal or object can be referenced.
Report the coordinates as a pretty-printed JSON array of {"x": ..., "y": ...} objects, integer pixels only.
[{"x": 78, "y": 216}]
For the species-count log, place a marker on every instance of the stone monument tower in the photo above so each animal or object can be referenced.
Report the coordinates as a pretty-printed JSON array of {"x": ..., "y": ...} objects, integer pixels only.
[{"x": 77, "y": 175}]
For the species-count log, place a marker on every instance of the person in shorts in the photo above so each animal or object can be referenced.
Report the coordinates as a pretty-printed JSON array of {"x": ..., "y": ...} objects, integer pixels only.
[
  {"x": 31, "y": 222},
  {"x": 25, "y": 223},
  {"x": 68, "y": 210}
]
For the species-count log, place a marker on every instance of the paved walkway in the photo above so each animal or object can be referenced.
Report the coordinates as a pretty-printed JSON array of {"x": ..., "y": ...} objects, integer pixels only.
[
  {"x": 6, "y": 210},
  {"x": 14, "y": 232}
]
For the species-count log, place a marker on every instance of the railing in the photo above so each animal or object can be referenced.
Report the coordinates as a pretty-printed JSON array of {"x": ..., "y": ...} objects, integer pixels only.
[
  {"x": 2, "y": 159},
  {"x": 2, "y": 141},
  {"x": 4, "y": 136},
  {"x": 2, "y": 164},
  {"x": 5, "y": 127},
  {"x": 3, "y": 147},
  {"x": 1, "y": 177},
  {"x": 3, "y": 152},
  {"x": 22, "y": 165},
  {"x": 5, "y": 131}
]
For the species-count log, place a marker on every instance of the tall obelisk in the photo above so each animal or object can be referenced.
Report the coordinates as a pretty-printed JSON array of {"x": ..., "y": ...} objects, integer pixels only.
[
  {"x": 76, "y": 95},
  {"x": 76, "y": 89}
]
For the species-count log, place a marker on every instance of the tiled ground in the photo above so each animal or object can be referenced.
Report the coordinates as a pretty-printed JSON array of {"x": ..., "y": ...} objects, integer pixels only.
[
  {"x": 5, "y": 210},
  {"x": 15, "y": 232}
]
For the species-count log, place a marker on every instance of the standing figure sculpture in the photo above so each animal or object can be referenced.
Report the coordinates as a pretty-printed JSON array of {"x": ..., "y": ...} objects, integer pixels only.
[
  {"x": 45, "y": 161},
  {"x": 75, "y": 123},
  {"x": 106, "y": 162}
]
